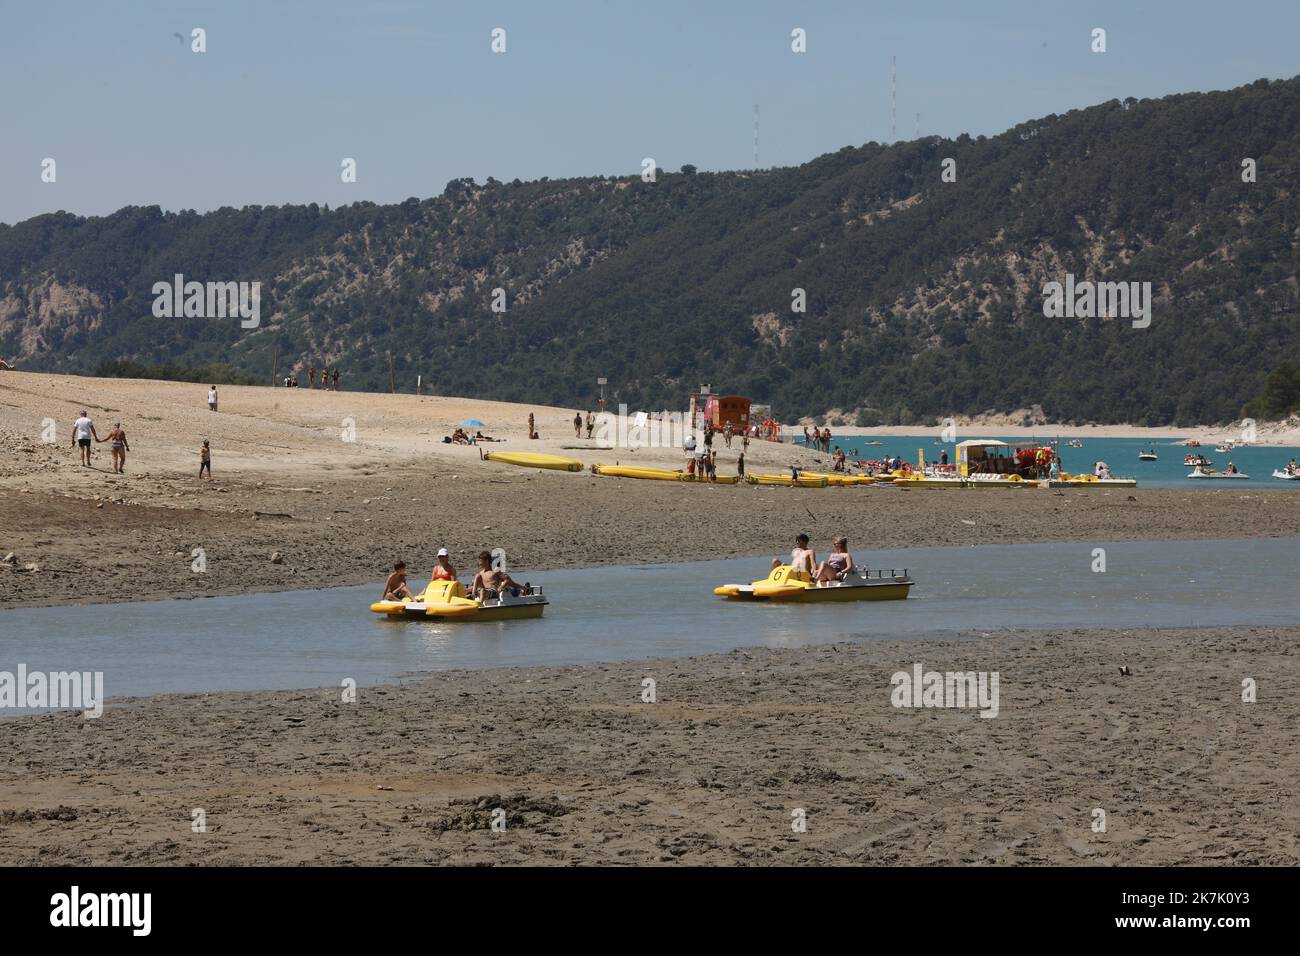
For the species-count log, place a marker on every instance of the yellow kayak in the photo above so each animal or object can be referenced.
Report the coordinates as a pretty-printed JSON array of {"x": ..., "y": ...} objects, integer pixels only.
[
  {"x": 529, "y": 459},
  {"x": 637, "y": 471},
  {"x": 839, "y": 479},
  {"x": 787, "y": 584},
  {"x": 803, "y": 481},
  {"x": 446, "y": 600},
  {"x": 658, "y": 474}
]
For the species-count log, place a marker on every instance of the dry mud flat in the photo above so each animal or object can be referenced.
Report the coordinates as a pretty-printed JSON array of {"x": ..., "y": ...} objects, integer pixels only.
[{"x": 583, "y": 771}]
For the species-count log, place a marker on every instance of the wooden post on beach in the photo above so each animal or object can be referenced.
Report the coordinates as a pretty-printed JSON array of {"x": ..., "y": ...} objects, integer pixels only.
[
  {"x": 275, "y": 365},
  {"x": 392, "y": 387}
]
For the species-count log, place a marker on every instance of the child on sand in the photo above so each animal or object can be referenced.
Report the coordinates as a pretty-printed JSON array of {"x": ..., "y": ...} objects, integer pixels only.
[
  {"x": 205, "y": 460},
  {"x": 577, "y": 424},
  {"x": 212, "y": 399}
]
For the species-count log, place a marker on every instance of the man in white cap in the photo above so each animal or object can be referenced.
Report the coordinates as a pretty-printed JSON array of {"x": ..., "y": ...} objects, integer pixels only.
[{"x": 443, "y": 570}]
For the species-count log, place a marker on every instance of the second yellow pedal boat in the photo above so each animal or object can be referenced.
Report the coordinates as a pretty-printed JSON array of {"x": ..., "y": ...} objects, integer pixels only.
[{"x": 787, "y": 584}]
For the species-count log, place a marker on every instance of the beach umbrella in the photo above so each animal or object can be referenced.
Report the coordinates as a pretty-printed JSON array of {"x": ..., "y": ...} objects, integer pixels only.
[{"x": 473, "y": 423}]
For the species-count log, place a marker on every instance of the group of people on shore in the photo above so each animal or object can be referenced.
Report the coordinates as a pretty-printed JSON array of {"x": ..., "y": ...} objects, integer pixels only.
[
  {"x": 820, "y": 439},
  {"x": 702, "y": 462},
  {"x": 84, "y": 432},
  {"x": 577, "y": 424},
  {"x": 489, "y": 584},
  {"x": 327, "y": 375}
]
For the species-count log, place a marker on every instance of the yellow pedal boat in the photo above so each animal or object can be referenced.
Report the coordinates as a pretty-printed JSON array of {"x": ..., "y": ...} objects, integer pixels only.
[
  {"x": 787, "y": 584},
  {"x": 530, "y": 459},
  {"x": 447, "y": 601}
]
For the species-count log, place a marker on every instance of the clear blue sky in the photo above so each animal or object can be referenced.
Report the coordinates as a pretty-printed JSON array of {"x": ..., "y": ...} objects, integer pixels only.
[{"x": 412, "y": 91}]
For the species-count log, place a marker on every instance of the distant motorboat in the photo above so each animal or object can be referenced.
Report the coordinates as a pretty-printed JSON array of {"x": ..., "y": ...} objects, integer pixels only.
[
  {"x": 1147, "y": 455},
  {"x": 1283, "y": 475},
  {"x": 1197, "y": 461},
  {"x": 1074, "y": 443},
  {"x": 1225, "y": 447}
]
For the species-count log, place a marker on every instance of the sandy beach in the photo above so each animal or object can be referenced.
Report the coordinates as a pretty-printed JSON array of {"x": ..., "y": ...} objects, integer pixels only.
[
  {"x": 583, "y": 771},
  {"x": 339, "y": 484}
]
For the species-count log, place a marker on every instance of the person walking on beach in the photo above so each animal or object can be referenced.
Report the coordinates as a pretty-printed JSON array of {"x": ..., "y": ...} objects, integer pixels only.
[
  {"x": 311, "y": 376},
  {"x": 336, "y": 378},
  {"x": 740, "y": 466},
  {"x": 119, "y": 448},
  {"x": 591, "y": 424},
  {"x": 205, "y": 460},
  {"x": 212, "y": 398},
  {"x": 532, "y": 426},
  {"x": 82, "y": 430},
  {"x": 577, "y": 424}
]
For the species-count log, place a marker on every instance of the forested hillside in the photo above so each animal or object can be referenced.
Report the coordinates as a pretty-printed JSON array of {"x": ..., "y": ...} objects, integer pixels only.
[{"x": 924, "y": 297}]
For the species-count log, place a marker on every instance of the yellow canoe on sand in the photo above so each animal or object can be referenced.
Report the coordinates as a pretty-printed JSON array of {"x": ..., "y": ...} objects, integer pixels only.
[
  {"x": 803, "y": 481},
  {"x": 529, "y": 459},
  {"x": 636, "y": 471},
  {"x": 840, "y": 479},
  {"x": 658, "y": 474}
]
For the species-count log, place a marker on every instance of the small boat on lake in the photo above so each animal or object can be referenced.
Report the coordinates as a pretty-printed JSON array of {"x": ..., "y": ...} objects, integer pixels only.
[
  {"x": 786, "y": 584},
  {"x": 1147, "y": 455},
  {"x": 1283, "y": 475},
  {"x": 1210, "y": 474},
  {"x": 447, "y": 601}
]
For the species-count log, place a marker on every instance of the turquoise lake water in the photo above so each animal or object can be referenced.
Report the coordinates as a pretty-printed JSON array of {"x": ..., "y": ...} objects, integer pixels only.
[
  {"x": 318, "y": 638},
  {"x": 1168, "y": 471}
]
